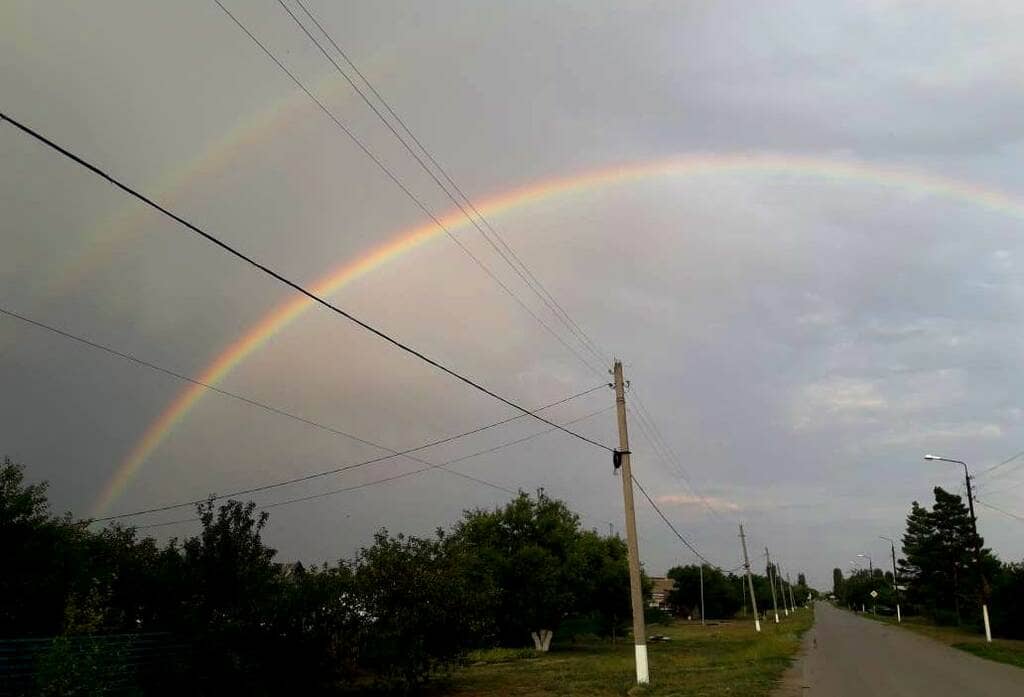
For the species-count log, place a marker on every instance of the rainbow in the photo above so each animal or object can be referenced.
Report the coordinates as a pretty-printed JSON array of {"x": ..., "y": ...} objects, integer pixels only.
[{"x": 532, "y": 194}]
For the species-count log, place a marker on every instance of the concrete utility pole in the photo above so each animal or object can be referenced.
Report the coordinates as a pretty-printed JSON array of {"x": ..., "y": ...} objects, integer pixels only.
[
  {"x": 636, "y": 596},
  {"x": 771, "y": 576},
  {"x": 782, "y": 589},
  {"x": 977, "y": 547},
  {"x": 792, "y": 602},
  {"x": 895, "y": 577},
  {"x": 750, "y": 581},
  {"x": 977, "y": 558},
  {"x": 702, "y": 593}
]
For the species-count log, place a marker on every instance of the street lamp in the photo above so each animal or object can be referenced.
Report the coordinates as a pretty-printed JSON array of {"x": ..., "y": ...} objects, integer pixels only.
[
  {"x": 871, "y": 574},
  {"x": 895, "y": 577},
  {"x": 977, "y": 549}
]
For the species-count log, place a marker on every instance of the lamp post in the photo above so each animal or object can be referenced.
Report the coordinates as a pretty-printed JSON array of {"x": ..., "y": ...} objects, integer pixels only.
[
  {"x": 871, "y": 575},
  {"x": 895, "y": 577},
  {"x": 977, "y": 547}
]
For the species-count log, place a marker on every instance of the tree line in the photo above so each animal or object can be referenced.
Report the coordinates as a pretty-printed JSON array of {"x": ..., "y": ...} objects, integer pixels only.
[
  {"x": 939, "y": 577},
  {"x": 405, "y": 609},
  {"x": 727, "y": 594}
]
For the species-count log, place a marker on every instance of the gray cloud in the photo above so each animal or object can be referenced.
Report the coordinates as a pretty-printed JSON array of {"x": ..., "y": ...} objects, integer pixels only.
[{"x": 800, "y": 341}]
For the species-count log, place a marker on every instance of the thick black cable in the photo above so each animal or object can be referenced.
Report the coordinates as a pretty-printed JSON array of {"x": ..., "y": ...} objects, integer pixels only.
[
  {"x": 286, "y": 281},
  {"x": 518, "y": 266},
  {"x": 398, "y": 182},
  {"x": 443, "y": 466}
]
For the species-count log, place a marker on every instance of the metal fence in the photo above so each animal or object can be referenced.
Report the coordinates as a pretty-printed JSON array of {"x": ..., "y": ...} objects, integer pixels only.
[{"x": 101, "y": 664}]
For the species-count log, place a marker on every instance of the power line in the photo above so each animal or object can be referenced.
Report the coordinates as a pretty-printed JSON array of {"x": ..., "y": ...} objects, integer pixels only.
[
  {"x": 315, "y": 475},
  {"x": 442, "y": 466},
  {"x": 461, "y": 201},
  {"x": 276, "y": 410},
  {"x": 667, "y": 454},
  {"x": 661, "y": 453},
  {"x": 1010, "y": 487},
  {"x": 288, "y": 282},
  {"x": 671, "y": 526},
  {"x": 263, "y": 405},
  {"x": 398, "y": 182},
  {"x": 998, "y": 465},
  {"x": 1000, "y": 510}
]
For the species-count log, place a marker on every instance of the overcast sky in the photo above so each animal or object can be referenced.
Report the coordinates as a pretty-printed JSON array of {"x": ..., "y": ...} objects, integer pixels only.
[{"x": 800, "y": 340}]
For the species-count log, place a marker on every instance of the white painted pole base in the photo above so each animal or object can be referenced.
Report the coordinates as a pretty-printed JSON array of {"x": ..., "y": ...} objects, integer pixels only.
[
  {"x": 988, "y": 629},
  {"x": 776, "y": 618},
  {"x": 642, "y": 676},
  {"x": 757, "y": 624},
  {"x": 899, "y": 617}
]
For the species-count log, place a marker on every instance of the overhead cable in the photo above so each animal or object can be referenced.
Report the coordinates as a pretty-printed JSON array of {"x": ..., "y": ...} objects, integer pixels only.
[{"x": 233, "y": 251}]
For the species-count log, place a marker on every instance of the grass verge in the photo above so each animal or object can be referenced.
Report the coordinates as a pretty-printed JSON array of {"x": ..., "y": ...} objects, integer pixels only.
[
  {"x": 719, "y": 659},
  {"x": 1001, "y": 650}
]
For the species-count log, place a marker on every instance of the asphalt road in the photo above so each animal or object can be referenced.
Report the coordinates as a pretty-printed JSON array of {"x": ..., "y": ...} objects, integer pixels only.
[{"x": 848, "y": 656}]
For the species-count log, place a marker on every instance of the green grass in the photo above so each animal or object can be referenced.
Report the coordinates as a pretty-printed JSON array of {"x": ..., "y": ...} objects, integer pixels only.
[
  {"x": 719, "y": 659},
  {"x": 995, "y": 652},
  {"x": 1000, "y": 650}
]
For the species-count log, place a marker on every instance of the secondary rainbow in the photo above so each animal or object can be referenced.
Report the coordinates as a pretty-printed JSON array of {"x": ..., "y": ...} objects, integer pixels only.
[{"x": 532, "y": 194}]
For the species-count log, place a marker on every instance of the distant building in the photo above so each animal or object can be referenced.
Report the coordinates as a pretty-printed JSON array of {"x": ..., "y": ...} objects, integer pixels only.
[{"x": 660, "y": 587}]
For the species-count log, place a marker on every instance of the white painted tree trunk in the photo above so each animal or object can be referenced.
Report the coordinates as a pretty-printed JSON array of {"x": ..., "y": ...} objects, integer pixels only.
[{"x": 542, "y": 639}]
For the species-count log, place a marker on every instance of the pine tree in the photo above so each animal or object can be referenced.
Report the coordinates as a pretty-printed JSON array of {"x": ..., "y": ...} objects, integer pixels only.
[{"x": 938, "y": 565}]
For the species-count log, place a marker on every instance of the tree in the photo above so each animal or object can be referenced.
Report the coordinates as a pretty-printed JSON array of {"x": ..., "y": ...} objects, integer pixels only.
[
  {"x": 837, "y": 582},
  {"x": 227, "y": 588},
  {"x": 602, "y": 583},
  {"x": 938, "y": 567},
  {"x": 534, "y": 558},
  {"x": 423, "y": 610},
  {"x": 721, "y": 592},
  {"x": 46, "y": 562},
  {"x": 1008, "y": 597}
]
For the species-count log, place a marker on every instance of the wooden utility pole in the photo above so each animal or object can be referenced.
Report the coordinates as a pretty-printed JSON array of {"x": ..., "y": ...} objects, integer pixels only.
[
  {"x": 750, "y": 581},
  {"x": 771, "y": 582},
  {"x": 635, "y": 593}
]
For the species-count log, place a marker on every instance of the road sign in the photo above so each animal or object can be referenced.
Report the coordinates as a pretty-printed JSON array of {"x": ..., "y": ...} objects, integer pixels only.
[{"x": 874, "y": 594}]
